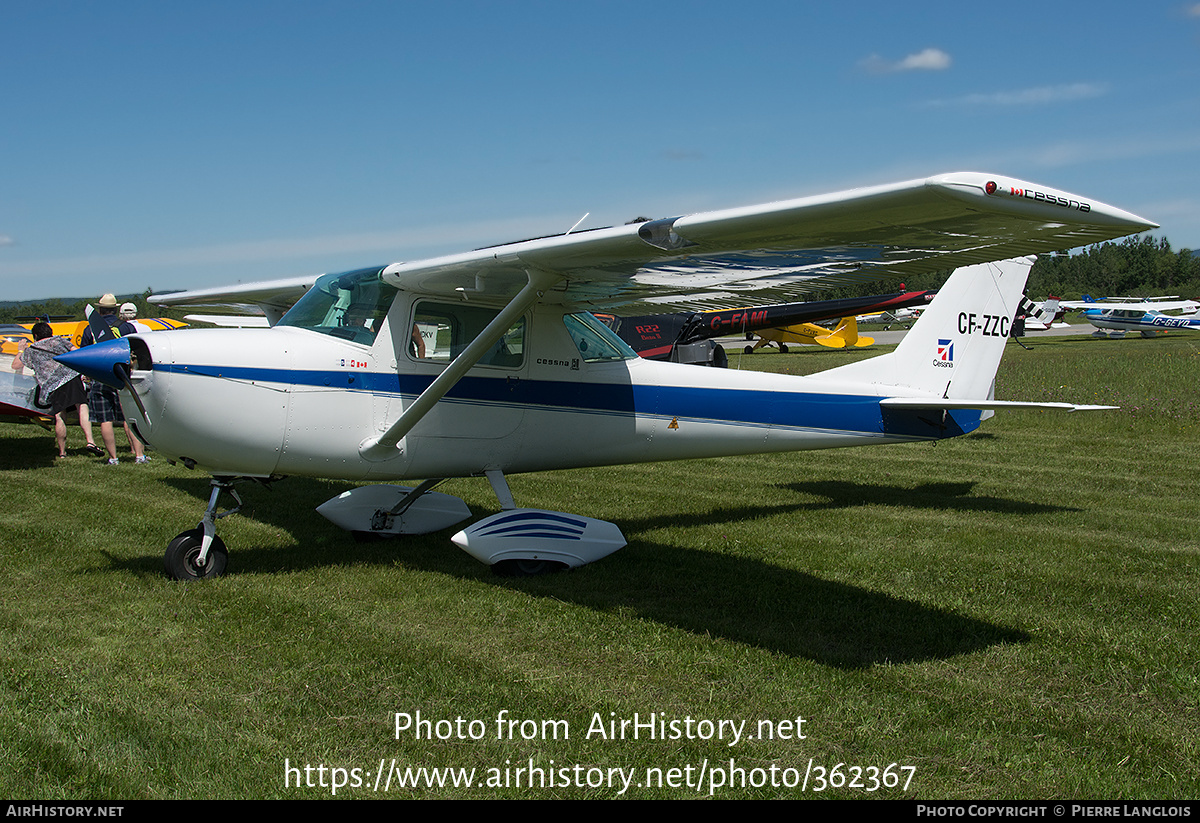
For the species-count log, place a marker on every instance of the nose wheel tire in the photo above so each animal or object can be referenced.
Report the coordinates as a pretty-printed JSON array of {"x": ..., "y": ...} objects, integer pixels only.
[{"x": 183, "y": 553}]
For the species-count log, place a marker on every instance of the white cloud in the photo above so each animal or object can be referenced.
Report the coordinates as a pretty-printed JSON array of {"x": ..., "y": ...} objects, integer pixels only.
[
  {"x": 927, "y": 60},
  {"x": 1102, "y": 152},
  {"x": 1138, "y": 147},
  {"x": 5, "y": 240},
  {"x": 1038, "y": 96},
  {"x": 930, "y": 59}
]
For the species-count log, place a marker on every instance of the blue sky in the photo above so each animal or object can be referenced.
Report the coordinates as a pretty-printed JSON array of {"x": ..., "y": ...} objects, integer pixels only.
[{"x": 184, "y": 145}]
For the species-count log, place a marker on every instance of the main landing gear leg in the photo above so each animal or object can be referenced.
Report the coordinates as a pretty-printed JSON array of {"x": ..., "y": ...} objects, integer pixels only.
[
  {"x": 198, "y": 553},
  {"x": 515, "y": 566}
]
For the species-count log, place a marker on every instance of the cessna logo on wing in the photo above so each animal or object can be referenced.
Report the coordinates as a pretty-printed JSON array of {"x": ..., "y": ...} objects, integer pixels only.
[{"x": 1044, "y": 197}]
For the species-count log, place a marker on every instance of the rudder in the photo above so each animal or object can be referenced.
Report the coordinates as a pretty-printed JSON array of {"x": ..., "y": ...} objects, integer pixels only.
[{"x": 954, "y": 349}]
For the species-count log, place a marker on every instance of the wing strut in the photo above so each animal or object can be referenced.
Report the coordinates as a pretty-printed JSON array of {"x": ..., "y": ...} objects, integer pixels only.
[{"x": 384, "y": 446}]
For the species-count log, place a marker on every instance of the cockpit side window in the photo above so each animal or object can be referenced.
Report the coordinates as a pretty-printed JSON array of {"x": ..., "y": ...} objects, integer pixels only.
[
  {"x": 440, "y": 331},
  {"x": 351, "y": 305},
  {"x": 595, "y": 341}
]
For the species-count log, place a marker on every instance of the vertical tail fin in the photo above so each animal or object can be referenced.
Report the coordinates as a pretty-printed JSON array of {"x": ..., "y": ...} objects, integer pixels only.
[
  {"x": 1052, "y": 308},
  {"x": 1044, "y": 313},
  {"x": 954, "y": 349},
  {"x": 845, "y": 335}
]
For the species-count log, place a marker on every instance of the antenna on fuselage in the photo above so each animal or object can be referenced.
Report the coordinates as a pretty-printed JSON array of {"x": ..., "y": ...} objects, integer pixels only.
[{"x": 577, "y": 222}]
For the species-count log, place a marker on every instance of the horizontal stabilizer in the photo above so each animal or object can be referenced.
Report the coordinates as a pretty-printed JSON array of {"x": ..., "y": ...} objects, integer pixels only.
[{"x": 984, "y": 405}]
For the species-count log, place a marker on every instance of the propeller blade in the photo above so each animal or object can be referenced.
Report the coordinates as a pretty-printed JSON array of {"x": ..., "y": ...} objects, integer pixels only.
[{"x": 100, "y": 330}]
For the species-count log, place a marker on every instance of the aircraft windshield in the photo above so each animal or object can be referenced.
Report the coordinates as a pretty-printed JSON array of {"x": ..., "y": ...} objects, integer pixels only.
[
  {"x": 350, "y": 305},
  {"x": 595, "y": 340}
]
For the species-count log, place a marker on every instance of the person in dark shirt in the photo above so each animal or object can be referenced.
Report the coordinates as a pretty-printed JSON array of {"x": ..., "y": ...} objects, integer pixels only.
[{"x": 105, "y": 401}]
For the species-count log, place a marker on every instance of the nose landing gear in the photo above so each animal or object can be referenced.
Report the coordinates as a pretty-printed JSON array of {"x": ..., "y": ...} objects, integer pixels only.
[
  {"x": 187, "y": 558},
  {"x": 198, "y": 553}
]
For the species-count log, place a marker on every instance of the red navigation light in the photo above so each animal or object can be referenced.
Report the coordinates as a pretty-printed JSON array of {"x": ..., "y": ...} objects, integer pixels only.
[{"x": 991, "y": 187}]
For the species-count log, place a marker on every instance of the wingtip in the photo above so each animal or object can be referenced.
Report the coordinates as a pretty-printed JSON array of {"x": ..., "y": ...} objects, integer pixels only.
[{"x": 1034, "y": 198}]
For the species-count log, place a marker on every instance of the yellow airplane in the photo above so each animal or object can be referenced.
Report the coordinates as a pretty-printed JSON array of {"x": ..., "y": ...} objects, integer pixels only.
[
  {"x": 844, "y": 336},
  {"x": 13, "y": 334},
  {"x": 18, "y": 390}
]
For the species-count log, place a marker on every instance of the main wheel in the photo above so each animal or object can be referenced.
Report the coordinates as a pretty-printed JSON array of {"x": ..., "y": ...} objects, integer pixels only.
[
  {"x": 526, "y": 567},
  {"x": 720, "y": 358},
  {"x": 183, "y": 552}
]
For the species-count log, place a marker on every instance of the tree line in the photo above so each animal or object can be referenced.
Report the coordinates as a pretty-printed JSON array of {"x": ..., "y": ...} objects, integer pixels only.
[
  {"x": 1139, "y": 266},
  {"x": 73, "y": 308}
]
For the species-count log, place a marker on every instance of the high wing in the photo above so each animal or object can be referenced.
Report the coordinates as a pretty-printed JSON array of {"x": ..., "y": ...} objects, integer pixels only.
[
  {"x": 270, "y": 298},
  {"x": 781, "y": 251},
  {"x": 229, "y": 321},
  {"x": 756, "y": 255},
  {"x": 1187, "y": 306}
]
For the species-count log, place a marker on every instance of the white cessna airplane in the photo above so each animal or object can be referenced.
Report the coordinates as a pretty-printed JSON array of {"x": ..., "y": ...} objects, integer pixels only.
[
  {"x": 489, "y": 362},
  {"x": 1113, "y": 316}
]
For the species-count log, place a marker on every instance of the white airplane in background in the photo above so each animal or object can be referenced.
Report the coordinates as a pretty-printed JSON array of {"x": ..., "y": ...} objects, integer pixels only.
[
  {"x": 1114, "y": 316},
  {"x": 1165, "y": 303},
  {"x": 489, "y": 362},
  {"x": 905, "y": 315}
]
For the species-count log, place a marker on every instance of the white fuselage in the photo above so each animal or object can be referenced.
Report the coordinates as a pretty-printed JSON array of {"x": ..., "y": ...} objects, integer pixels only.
[
  {"x": 310, "y": 402},
  {"x": 1135, "y": 320}
]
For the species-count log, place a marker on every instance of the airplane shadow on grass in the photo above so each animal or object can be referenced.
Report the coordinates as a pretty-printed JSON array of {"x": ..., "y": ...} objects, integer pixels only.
[
  {"x": 942, "y": 496},
  {"x": 25, "y": 452},
  {"x": 706, "y": 593}
]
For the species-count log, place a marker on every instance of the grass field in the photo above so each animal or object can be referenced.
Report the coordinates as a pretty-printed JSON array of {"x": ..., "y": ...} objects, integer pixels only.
[{"x": 1012, "y": 614}]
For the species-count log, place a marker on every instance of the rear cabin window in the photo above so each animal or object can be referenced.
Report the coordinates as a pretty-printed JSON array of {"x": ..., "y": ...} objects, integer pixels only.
[{"x": 440, "y": 332}]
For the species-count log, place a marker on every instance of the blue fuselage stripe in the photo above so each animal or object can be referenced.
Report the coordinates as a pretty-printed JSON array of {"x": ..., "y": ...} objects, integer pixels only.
[{"x": 746, "y": 407}]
